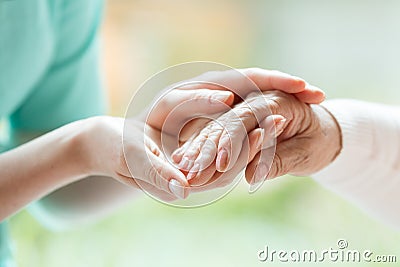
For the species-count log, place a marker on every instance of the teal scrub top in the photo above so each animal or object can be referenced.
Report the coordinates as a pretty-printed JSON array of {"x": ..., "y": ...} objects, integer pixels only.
[{"x": 49, "y": 68}]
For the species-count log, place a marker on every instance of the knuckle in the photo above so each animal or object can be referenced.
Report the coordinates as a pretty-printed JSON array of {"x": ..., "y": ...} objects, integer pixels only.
[
  {"x": 192, "y": 151},
  {"x": 226, "y": 138},
  {"x": 212, "y": 130},
  {"x": 274, "y": 105},
  {"x": 202, "y": 96}
]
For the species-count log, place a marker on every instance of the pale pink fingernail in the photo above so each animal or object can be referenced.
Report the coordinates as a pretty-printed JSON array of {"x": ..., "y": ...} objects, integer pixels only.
[
  {"x": 184, "y": 163},
  {"x": 260, "y": 139},
  {"x": 177, "y": 156},
  {"x": 222, "y": 160}
]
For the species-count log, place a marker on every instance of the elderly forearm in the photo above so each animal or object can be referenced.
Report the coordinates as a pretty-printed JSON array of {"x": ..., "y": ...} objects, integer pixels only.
[{"x": 367, "y": 171}]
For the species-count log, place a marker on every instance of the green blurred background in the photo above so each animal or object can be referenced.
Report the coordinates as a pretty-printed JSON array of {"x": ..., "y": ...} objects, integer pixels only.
[{"x": 348, "y": 48}]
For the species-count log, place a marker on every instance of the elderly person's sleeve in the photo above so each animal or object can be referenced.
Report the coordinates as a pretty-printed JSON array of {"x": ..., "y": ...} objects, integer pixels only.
[{"x": 367, "y": 170}]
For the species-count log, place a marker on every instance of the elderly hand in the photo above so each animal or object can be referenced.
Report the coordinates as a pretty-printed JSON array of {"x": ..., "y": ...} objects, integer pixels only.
[{"x": 309, "y": 139}]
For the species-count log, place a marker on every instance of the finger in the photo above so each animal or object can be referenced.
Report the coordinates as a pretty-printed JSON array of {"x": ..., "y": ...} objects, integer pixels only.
[
  {"x": 162, "y": 175},
  {"x": 220, "y": 179},
  {"x": 229, "y": 144},
  {"x": 311, "y": 95},
  {"x": 273, "y": 125},
  {"x": 258, "y": 168},
  {"x": 147, "y": 187},
  {"x": 202, "y": 177},
  {"x": 244, "y": 81},
  {"x": 205, "y": 158},
  {"x": 207, "y": 140},
  {"x": 177, "y": 155},
  {"x": 231, "y": 128},
  {"x": 201, "y": 100},
  {"x": 152, "y": 190},
  {"x": 256, "y": 138},
  {"x": 288, "y": 158},
  {"x": 191, "y": 127},
  {"x": 265, "y": 136},
  {"x": 187, "y": 104},
  {"x": 237, "y": 123},
  {"x": 273, "y": 79}
]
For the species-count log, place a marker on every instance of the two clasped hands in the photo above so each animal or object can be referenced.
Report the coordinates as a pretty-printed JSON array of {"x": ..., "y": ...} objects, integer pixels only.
[{"x": 200, "y": 135}]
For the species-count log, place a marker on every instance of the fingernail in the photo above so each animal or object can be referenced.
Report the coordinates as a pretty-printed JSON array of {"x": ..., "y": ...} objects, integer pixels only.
[
  {"x": 220, "y": 97},
  {"x": 279, "y": 127},
  {"x": 222, "y": 160},
  {"x": 260, "y": 139},
  {"x": 184, "y": 164},
  {"x": 177, "y": 156},
  {"x": 176, "y": 188},
  {"x": 193, "y": 172},
  {"x": 317, "y": 90}
]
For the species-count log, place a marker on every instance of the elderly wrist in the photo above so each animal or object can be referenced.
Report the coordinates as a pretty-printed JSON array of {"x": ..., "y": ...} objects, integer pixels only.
[{"x": 330, "y": 135}]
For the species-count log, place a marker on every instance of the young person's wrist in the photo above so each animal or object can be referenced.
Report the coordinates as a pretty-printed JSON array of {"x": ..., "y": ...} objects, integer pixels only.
[
  {"x": 76, "y": 148},
  {"x": 99, "y": 146}
]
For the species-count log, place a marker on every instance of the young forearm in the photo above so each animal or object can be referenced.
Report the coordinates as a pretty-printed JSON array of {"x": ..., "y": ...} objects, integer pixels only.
[{"x": 41, "y": 166}]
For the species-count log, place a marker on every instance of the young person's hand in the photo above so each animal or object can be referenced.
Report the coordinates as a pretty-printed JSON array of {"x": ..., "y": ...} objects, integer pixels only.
[{"x": 133, "y": 156}]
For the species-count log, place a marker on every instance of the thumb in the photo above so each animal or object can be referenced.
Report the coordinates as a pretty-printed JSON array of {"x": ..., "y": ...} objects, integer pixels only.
[
  {"x": 289, "y": 157},
  {"x": 149, "y": 165},
  {"x": 162, "y": 175}
]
